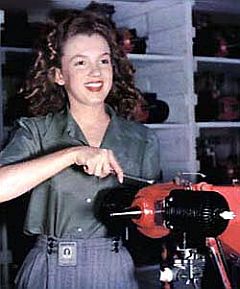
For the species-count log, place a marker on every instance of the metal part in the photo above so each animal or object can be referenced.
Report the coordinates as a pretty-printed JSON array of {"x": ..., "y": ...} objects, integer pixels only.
[
  {"x": 227, "y": 215},
  {"x": 188, "y": 265},
  {"x": 194, "y": 174},
  {"x": 128, "y": 213},
  {"x": 138, "y": 179}
]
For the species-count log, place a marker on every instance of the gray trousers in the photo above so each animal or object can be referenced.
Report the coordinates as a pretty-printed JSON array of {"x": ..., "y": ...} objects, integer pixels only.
[{"x": 97, "y": 266}]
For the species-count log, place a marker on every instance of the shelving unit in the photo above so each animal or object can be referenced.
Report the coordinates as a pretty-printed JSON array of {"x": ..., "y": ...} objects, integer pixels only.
[{"x": 221, "y": 136}]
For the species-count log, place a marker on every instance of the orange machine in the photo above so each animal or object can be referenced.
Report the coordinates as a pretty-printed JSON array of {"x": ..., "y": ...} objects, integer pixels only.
[
  {"x": 148, "y": 197},
  {"x": 197, "y": 210}
]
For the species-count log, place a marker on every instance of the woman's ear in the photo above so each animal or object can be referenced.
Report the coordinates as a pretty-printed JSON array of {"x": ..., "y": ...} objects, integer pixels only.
[{"x": 59, "y": 77}]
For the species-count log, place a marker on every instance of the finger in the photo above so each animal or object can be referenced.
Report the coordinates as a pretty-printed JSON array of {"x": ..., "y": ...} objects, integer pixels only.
[
  {"x": 103, "y": 168},
  {"x": 116, "y": 167},
  {"x": 101, "y": 160},
  {"x": 89, "y": 169},
  {"x": 106, "y": 169},
  {"x": 98, "y": 169}
]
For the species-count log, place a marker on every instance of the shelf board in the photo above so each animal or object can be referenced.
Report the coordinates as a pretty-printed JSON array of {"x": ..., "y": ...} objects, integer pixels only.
[
  {"x": 218, "y": 124},
  {"x": 154, "y": 57},
  {"x": 218, "y": 64},
  {"x": 222, "y": 60},
  {"x": 15, "y": 49},
  {"x": 166, "y": 125}
]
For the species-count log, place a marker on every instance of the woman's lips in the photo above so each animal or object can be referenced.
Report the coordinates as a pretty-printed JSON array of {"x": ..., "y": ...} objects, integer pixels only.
[{"x": 94, "y": 86}]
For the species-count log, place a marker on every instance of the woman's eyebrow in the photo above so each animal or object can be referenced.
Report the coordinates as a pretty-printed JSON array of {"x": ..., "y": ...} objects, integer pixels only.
[
  {"x": 86, "y": 56},
  {"x": 106, "y": 53},
  {"x": 78, "y": 55}
]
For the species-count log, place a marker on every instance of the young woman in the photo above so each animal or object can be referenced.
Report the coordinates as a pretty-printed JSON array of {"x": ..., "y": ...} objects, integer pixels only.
[{"x": 79, "y": 142}]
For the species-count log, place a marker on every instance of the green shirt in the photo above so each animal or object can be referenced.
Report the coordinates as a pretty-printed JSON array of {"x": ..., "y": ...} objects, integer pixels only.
[{"x": 63, "y": 205}]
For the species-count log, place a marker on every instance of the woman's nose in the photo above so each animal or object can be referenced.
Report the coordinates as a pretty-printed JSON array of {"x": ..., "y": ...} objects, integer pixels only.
[{"x": 95, "y": 70}]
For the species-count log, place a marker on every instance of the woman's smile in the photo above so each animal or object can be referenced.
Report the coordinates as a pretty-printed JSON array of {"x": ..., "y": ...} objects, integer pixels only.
[{"x": 94, "y": 86}]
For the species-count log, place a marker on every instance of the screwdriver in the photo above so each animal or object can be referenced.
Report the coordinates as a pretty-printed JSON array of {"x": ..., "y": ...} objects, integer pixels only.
[{"x": 138, "y": 179}]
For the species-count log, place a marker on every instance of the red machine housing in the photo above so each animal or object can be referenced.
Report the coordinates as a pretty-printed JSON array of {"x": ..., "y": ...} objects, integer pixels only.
[{"x": 147, "y": 197}]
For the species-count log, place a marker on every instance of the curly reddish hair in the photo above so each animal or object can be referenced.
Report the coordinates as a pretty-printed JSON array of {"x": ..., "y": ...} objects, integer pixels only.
[{"x": 40, "y": 90}]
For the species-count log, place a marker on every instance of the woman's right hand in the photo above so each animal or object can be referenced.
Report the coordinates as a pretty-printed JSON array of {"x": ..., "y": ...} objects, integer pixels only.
[
  {"x": 98, "y": 162},
  {"x": 17, "y": 179}
]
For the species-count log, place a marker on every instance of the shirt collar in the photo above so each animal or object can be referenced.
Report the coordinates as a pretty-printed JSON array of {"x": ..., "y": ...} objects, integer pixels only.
[{"x": 75, "y": 131}]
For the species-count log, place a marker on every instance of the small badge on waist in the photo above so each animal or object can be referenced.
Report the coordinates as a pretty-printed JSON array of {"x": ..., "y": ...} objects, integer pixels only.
[{"x": 67, "y": 253}]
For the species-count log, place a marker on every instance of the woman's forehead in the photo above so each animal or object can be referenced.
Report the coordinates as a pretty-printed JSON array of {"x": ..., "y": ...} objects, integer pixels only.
[{"x": 85, "y": 44}]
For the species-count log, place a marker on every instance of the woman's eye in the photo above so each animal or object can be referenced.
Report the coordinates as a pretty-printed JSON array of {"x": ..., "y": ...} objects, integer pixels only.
[
  {"x": 80, "y": 63},
  {"x": 105, "y": 61}
]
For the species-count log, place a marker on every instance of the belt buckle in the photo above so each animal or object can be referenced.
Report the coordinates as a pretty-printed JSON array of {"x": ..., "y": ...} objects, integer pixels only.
[{"x": 67, "y": 253}]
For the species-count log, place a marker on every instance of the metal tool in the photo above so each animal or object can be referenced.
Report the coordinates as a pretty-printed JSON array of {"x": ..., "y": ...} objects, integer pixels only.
[{"x": 133, "y": 178}]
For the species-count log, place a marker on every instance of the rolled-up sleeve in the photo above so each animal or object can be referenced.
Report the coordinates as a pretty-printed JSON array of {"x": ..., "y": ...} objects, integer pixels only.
[{"x": 23, "y": 145}]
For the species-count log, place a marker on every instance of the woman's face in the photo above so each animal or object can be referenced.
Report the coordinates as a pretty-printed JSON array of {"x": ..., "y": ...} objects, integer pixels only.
[{"x": 86, "y": 70}]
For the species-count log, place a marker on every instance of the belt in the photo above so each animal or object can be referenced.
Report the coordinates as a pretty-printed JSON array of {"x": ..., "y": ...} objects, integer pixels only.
[{"x": 51, "y": 243}]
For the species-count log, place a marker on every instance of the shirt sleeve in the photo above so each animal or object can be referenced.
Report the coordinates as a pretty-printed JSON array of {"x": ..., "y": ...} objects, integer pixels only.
[
  {"x": 23, "y": 145},
  {"x": 151, "y": 160}
]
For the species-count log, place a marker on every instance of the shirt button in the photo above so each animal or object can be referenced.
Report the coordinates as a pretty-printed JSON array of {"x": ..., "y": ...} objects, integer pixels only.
[
  {"x": 79, "y": 229},
  {"x": 88, "y": 200}
]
